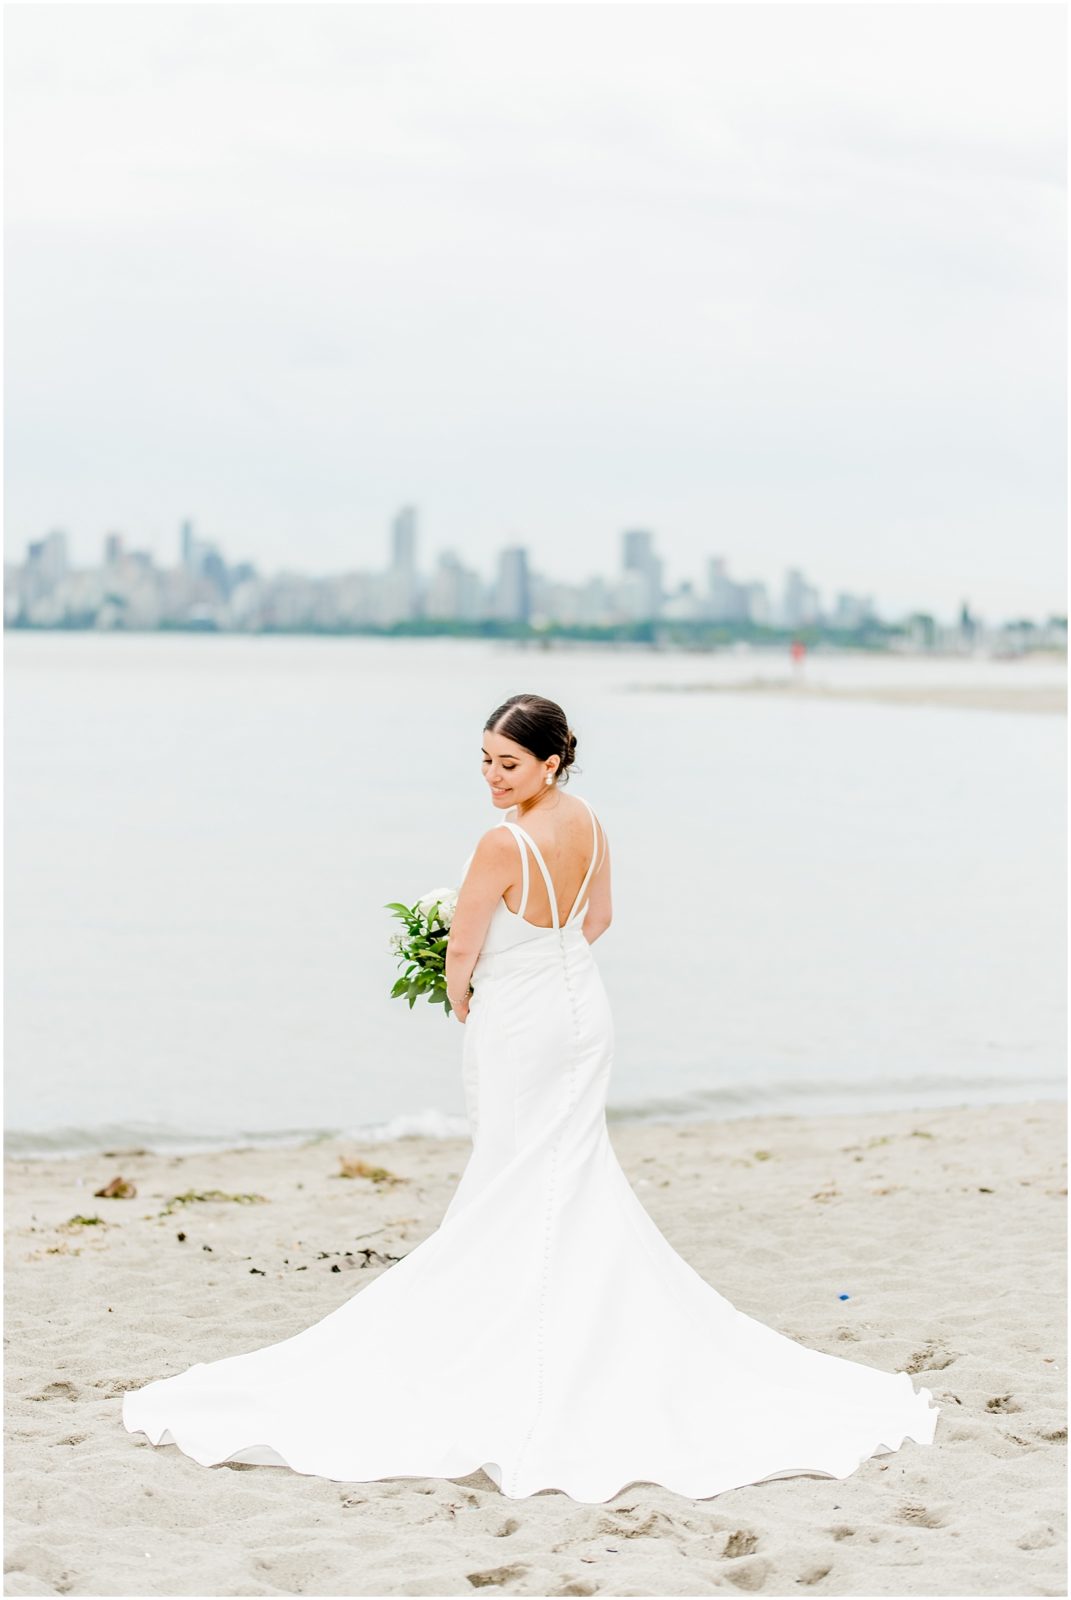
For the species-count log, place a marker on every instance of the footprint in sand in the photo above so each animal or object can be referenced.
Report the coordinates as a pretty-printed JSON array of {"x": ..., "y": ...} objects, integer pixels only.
[
  {"x": 741, "y": 1543},
  {"x": 1003, "y": 1402},
  {"x": 920, "y": 1516},
  {"x": 655, "y": 1525},
  {"x": 114, "y": 1387},
  {"x": 931, "y": 1358},
  {"x": 749, "y": 1575},
  {"x": 57, "y": 1391},
  {"x": 1040, "y": 1538},
  {"x": 495, "y": 1575}
]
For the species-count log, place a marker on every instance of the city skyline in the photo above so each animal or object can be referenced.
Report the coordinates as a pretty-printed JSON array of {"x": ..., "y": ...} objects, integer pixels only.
[
  {"x": 127, "y": 588},
  {"x": 765, "y": 282}
]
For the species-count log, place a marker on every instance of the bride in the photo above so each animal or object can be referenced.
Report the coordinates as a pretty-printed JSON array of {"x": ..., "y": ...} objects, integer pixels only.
[{"x": 547, "y": 1331}]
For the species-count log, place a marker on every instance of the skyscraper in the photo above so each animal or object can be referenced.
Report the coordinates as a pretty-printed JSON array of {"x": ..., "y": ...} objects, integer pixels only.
[
  {"x": 187, "y": 546},
  {"x": 403, "y": 531},
  {"x": 46, "y": 563},
  {"x": 637, "y": 549},
  {"x": 641, "y": 591},
  {"x": 513, "y": 599},
  {"x": 727, "y": 601},
  {"x": 403, "y": 586},
  {"x": 799, "y": 605},
  {"x": 53, "y": 556}
]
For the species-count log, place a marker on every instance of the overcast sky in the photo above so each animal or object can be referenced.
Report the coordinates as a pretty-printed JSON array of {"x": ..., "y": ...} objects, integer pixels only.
[{"x": 780, "y": 283}]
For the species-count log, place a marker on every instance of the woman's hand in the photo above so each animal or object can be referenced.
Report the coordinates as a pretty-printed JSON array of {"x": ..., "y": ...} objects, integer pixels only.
[{"x": 461, "y": 1008}]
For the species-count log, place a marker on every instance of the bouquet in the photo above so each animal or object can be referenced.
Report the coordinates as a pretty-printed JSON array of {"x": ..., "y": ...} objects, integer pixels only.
[{"x": 422, "y": 947}]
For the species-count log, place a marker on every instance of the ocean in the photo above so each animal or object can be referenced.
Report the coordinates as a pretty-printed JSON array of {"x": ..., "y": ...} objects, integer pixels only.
[{"x": 819, "y": 906}]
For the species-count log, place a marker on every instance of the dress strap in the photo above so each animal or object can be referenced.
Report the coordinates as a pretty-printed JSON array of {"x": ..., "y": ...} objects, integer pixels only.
[
  {"x": 591, "y": 865},
  {"x": 516, "y": 829},
  {"x": 512, "y": 826}
]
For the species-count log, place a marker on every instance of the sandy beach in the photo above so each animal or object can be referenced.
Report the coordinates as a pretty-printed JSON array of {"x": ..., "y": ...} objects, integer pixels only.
[
  {"x": 945, "y": 1228},
  {"x": 1046, "y": 698}
]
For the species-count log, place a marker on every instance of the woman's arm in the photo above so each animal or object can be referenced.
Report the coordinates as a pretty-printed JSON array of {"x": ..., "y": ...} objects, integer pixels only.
[
  {"x": 599, "y": 914},
  {"x": 493, "y": 868}
]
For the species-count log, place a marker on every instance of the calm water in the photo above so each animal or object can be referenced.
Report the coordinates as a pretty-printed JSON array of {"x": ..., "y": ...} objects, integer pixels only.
[{"x": 818, "y": 906}]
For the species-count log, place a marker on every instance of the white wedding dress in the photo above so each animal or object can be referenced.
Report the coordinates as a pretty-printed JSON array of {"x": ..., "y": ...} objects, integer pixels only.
[{"x": 546, "y": 1331}]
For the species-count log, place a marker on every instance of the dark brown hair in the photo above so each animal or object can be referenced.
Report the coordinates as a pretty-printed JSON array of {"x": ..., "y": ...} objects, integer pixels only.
[{"x": 538, "y": 725}]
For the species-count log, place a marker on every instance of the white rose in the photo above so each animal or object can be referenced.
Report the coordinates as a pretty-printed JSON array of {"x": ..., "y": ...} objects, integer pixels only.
[
  {"x": 448, "y": 908},
  {"x": 445, "y": 898}
]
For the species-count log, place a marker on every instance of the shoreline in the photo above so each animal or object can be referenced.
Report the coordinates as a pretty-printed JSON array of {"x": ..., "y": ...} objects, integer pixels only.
[
  {"x": 135, "y": 1143},
  {"x": 1047, "y": 699},
  {"x": 945, "y": 1227}
]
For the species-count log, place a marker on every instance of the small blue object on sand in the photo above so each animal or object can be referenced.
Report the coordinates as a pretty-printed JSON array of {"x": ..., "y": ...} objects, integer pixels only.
[{"x": 844, "y": 1297}]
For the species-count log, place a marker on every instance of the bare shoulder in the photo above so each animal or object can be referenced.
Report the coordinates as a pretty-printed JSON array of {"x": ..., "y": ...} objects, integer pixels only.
[
  {"x": 494, "y": 845},
  {"x": 593, "y": 820},
  {"x": 590, "y": 813},
  {"x": 587, "y": 808}
]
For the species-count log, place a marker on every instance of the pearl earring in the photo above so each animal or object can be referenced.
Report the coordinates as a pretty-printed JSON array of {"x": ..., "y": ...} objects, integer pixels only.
[{"x": 550, "y": 777}]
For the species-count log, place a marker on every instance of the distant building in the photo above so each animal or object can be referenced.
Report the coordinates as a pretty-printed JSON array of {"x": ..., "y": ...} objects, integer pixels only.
[
  {"x": 726, "y": 601},
  {"x": 204, "y": 565},
  {"x": 640, "y": 591},
  {"x": 921, "y": 630},
  {"x": 290, "y": 600},
  {"x": 187, "y": 546},
  {"x": 213, "y": 568},
  {"x": 851, "y": 610},
  {"x": 402, "y": 580},
  {"x": 799, "y": 605},
  {"x": 456, "y": 592},
  {"x": 683, "y": 604},
  {"x": 637, "y": 549},
  {"x": 757, "y": 602},
  {"x": 48, "y": 556},
  {"x": 40, "y": 582},
  {"x": 513, "y": 599},
  {"x": 403, "y": 539},
  {"x": 632, "y": 598},
  {"x": 595, "y": 603}
]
